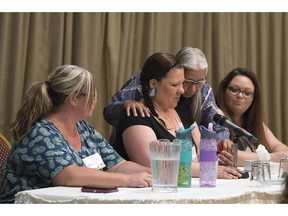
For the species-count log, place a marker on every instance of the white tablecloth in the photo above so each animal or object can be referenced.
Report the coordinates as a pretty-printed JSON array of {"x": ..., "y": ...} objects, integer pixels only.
[{"x": 226, "y": 191}]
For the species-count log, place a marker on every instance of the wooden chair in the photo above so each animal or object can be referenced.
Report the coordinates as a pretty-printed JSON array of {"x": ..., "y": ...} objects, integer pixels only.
[{"x": 5, "y": 148}]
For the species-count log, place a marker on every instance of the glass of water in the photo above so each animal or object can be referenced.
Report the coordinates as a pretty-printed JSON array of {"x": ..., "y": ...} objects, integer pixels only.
[{"x": 164, "y": 158}]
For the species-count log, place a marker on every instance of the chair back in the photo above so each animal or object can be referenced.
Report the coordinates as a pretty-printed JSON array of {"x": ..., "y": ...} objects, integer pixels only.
[{"x": 5, "y": 148}]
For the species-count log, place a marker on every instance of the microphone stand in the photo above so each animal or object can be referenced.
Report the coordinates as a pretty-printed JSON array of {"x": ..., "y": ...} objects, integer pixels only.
[
  {"x": 249, "y": 144},
  {"x": 238, "y": 131},
  {"x": 235, "y": 161},
  {"x": 236, "y": 143}
]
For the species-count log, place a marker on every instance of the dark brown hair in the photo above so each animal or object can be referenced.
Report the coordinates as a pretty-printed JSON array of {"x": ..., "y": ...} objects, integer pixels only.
[
  {"x": 156, "y": 67},
  {"x": 253, "y": 117}
]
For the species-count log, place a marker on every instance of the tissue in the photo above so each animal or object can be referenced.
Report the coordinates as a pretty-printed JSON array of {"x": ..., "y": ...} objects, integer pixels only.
[{"x": 263, "y": 153}]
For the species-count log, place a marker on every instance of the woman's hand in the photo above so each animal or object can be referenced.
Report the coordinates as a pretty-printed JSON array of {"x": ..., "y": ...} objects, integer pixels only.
[
  {"x": 225, "y": 149},
  {"x": 228, "y": 172},
  {"x": 134, "y": 106},
  {"x": 225, "y": 145},
  {"x": 225, "y": 158},
  {"x": 141, "y": 179}
]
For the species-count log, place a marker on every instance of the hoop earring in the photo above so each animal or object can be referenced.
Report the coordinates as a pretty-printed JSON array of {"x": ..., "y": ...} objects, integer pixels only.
[{"x": 152, "y": 92}]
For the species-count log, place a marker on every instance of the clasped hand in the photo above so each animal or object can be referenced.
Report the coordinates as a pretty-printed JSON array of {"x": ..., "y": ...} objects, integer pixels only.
[{"x": 225, "y": 150}]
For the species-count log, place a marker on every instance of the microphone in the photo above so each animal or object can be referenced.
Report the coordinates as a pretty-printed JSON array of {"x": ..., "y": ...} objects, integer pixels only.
[{"x": 223, "y": 121}]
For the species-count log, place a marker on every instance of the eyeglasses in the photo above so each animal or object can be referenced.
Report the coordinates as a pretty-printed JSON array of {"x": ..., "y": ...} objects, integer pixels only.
[
  {"x": 199, "y": 83},
  {"x": 237, "y": 91},
  {"x": 82, "y": 94},
  {"x": 85, "y": 95}
]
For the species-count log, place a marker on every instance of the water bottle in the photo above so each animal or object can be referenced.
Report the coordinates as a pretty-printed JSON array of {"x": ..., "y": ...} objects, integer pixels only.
[
  {"x": 208, "y": 157},
  {"x": 184, "y": 174}
]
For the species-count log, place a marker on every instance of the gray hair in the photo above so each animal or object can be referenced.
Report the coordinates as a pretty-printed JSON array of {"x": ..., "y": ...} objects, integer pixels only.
[{"x": 192, "y": 58}]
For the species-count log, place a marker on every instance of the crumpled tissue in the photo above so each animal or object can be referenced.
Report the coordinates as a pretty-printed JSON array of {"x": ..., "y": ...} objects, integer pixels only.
[{"x": 263, "y": 153}]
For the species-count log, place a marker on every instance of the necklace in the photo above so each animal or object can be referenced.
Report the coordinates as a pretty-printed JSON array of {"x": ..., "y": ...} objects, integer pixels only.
[{"x": 170, "y": 120}]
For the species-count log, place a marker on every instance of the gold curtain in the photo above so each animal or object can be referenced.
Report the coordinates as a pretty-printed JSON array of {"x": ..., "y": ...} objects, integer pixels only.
[{"x": 114, "y": 45}]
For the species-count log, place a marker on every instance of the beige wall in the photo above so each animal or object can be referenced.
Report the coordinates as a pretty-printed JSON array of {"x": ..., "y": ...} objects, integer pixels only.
[{"x": 114, "y": 45}]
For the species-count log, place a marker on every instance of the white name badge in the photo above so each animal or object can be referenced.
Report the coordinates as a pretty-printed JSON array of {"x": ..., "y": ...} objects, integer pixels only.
[{"x": 94, "y": 161}]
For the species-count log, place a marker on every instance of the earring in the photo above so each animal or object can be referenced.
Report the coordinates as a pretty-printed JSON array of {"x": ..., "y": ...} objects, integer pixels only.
[{"x": 152, "y": 92}]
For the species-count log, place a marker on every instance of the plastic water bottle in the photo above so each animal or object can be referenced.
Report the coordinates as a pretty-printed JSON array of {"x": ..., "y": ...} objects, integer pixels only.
[
  {"x": 184, "y": 174},
  {"x": 208, "y": 157}
]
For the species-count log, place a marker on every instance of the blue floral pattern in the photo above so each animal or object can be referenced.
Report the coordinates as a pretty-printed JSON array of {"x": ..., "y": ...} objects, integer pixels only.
[{"x": 37, "y": 159}]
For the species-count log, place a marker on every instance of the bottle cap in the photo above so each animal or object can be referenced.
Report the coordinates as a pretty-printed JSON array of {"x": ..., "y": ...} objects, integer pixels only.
[
  {"x": 207, "y": 133},
  {"x": 184, "y": 133}
]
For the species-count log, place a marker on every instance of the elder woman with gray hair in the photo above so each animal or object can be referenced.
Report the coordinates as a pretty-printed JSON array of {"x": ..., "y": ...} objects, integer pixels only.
[{"x": 198, "y": 97}]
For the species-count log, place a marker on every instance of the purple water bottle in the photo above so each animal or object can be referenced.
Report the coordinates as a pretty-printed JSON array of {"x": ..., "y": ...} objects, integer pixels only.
[{"x": 208, "y": 157}]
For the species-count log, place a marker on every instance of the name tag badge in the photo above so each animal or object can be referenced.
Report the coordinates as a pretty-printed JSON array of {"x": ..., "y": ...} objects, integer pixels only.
[{"x": 94, "y": 161}]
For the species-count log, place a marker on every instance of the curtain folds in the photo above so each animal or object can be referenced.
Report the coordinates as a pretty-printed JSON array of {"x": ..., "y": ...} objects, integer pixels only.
[{"x": 112, "y": 46}]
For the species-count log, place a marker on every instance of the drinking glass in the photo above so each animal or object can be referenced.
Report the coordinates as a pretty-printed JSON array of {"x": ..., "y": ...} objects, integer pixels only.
[
  {"x": 260, "y": 173},
  {"x": 164, "y": 158},
  {"x": 283, "y": 167}
]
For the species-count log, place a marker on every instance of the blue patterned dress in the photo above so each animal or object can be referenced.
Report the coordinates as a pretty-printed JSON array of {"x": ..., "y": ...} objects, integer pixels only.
[{"x": 37, "y": 159}]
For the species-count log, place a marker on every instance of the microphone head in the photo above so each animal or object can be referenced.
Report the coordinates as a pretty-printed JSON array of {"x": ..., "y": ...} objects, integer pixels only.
[{"x": 219, "y": 119}]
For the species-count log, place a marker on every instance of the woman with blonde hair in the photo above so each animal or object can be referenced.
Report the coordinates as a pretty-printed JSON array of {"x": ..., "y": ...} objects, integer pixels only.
[{"x": 55, "y": 146}]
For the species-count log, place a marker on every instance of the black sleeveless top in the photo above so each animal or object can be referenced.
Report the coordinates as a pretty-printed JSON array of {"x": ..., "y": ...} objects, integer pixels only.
[{"x": 160, "y": 131}]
